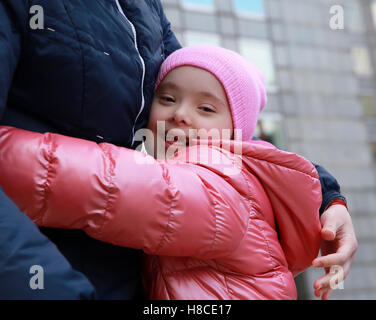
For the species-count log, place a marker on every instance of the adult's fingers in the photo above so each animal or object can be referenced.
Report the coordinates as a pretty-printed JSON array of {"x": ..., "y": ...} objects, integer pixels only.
[
  {"x": 329, "y": 233},
  {"x": 323, "y": 293},
  {"x": 331, "y": 279},
  {"x": 326, "y": 290},
  {"x": 329, "y": 260},
  {"x": 330, "y": 223},
  {"x": 345, "y": 252},
  {"x": 326, "y": 295}
]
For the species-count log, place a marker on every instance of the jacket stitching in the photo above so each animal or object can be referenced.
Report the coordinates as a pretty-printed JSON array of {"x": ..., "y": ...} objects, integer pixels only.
[
  {"x": 171, "y": 272},
  {"x": 241, "y": 197},
  {"x": 215, "y": 202},
  {"x": 46, "y": 184},
  {"x": 81, "y": 41},
  {"x": 252, "y": 209},
  {"x": 248, "y": 221},
  {"x": 50, "y": 36},
  {"x": 312, "y": 174},
  {"x": 273, "y": 261},
  {"x": 69, "y": 35},
  {"x": 284, "y": 286},
  {"x": 109, "y": 187},
  {"x": 164, "y": 279},
  {"x": 225, "y": 278},
  {"x": 171, "y": 215}
]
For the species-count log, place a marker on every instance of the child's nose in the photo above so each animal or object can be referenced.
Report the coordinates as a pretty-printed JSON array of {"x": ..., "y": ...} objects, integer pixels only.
[{"x": 182, "y": 116}]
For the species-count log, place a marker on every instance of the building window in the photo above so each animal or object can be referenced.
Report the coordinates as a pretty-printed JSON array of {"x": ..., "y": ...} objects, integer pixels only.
[
  {"x": 369, "y": 106},
  {"x": 373, "y": 10},
  {"x": 373, "y": 149},
  {"x": 259, "y": 53},
  {"x": 361, "y": 61},
  {"x": 369, "y": 110},
  {"x": 354, "y": 17},
  {"x": 194, "y": 38},
  {"x": 201, "y": 5},
  {"x": 247, "y": 8},
  {"x": 269, "y": 128}
]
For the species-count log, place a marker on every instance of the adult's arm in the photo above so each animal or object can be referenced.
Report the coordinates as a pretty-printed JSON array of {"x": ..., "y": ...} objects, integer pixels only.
[
  {"x": 31, "y": 267},
  {"x": 170, "y": 41},
  {"x": 22, "y": 245},
  {"x": 330, "y": 188},
  {"x": 10, "y": 49}
]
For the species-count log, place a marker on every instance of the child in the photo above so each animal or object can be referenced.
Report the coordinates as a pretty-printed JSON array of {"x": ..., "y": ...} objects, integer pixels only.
[{"x": 208, "y": 234}]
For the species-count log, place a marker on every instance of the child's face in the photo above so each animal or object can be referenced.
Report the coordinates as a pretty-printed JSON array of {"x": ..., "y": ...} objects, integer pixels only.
[{"x": 189, "y": 98}]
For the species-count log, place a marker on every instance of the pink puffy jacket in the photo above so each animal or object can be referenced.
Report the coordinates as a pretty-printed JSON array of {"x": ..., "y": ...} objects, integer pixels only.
[{"x": 210, "y": 233}]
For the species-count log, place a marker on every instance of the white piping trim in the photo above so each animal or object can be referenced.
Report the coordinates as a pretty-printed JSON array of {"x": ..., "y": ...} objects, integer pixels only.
[{"x": 143, "y": 67}]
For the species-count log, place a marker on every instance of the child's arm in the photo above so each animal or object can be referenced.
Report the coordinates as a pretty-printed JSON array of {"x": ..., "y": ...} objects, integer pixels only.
[
  {"x": 340, "y": 247},
  {"x": 330, "y": 188},
  {"x": 179, "y": 210}
]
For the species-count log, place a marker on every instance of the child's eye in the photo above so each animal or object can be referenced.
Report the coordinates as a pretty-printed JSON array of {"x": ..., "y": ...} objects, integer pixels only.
[
  {"x": 207, "y": 108},
  {"x": 168, "y": 99}
]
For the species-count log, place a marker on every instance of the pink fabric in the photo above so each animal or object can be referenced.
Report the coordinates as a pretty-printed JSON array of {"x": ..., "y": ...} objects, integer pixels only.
[
  {"x": 208, "y": 234},
  {"x": 243, "y": 82}
]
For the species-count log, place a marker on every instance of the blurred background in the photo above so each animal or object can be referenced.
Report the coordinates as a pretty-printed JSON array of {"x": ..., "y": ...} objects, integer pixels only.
[{"x": 321, "y": 80}]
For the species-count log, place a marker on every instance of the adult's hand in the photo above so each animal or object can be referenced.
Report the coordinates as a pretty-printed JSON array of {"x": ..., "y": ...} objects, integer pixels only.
[{"x": 338, "y": 249}]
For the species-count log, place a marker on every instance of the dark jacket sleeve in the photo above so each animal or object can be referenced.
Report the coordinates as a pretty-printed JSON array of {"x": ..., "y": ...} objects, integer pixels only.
[
  {"x": 31, "y": 267},
  {"x": 10, "y": 46},
  {"x": 330, "y": 188},
  {"x": 170, "y": 41},
  {"x": 22, "y": 245}
]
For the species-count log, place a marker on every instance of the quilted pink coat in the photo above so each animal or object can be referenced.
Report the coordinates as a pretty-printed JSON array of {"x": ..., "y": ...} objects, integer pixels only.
[{"x": 208, "y": 234}]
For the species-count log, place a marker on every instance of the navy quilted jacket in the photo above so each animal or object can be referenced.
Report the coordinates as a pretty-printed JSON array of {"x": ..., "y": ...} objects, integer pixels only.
[{"x": 86, "y": 69}]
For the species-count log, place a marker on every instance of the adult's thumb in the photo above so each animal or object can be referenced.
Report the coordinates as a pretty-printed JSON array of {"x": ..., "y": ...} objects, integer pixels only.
[{"x": 328, "y": 232}]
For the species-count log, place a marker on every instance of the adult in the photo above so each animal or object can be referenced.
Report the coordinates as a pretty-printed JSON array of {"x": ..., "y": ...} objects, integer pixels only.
[{"x": 87, "y": 69}]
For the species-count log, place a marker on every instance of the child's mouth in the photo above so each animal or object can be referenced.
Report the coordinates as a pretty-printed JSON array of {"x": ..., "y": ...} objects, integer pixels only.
[{"x": 177, "y": 141}]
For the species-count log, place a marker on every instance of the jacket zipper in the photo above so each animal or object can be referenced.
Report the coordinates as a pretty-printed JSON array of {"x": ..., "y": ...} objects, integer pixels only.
[{"x": 143, "y": 67}]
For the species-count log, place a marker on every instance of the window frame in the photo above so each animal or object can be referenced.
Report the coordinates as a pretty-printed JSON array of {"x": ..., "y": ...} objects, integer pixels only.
[
  {"x": 373, "y": 13},
  {"x": 356, "y": 62},
  {"x": 247, "y": 14},
  {"x": 351, "y": 8},
  {"x": 270, "y": 87},
  {"x": 190, "y": 31},
  {"x": 198, "y": 7}
]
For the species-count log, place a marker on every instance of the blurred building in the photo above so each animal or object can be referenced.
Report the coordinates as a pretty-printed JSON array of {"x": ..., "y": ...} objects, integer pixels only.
[{"x": 321, "y": 95}]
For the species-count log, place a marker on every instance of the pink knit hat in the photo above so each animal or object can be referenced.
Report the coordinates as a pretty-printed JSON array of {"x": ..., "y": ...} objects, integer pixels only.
[{"x": 243, "y": 82}]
